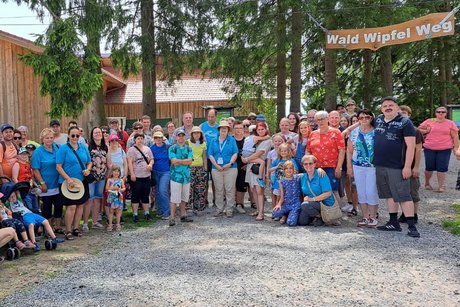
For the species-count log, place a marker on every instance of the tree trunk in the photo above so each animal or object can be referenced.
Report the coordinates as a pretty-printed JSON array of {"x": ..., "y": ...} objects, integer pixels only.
[
  {"x": 386, "y": 71},
  {"x": 330, "y": 78},
  {"x": 281, "y": 63},
  {"x": 296, "y": 54},
  {"x": 148, "y": 59},
  {"x": 367, "y": 78}
]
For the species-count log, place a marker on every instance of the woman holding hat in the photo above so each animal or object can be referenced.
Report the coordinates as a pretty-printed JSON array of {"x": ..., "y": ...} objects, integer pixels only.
[
  {"x": 198, "y": 171},
  {"x": 73, "y": 163},
  {"x": 161, "y": 170},
  {"x": 223, "y": 153}
]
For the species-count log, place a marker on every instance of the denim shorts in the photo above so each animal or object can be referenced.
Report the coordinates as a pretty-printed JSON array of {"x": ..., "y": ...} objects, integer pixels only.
[
  {"x": 330, "y": 172},
  {"x": 32, "y": 218},
  {"x": 96, "y": 189},
  {"x": 437, "y": 160}
]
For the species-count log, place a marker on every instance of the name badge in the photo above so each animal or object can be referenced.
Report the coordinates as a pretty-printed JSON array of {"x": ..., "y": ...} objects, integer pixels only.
[{"x": 220, "y": 161}]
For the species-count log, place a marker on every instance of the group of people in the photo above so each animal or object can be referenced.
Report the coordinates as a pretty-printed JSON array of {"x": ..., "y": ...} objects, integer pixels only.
[{"x": 314, "y": 160}]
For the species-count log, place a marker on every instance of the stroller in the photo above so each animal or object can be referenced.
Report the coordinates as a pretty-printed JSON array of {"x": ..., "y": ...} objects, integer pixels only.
[{"x": 6, "y": 188}]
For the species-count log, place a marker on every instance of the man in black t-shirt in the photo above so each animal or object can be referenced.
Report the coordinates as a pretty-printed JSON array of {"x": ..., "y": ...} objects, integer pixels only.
[{"x": 394, "y": 150}]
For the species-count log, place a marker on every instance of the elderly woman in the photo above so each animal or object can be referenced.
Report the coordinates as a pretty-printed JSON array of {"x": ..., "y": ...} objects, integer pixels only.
[
  {"x": 98, "y": 151},
  {"x": 161, "y": 170},
  {"x": 44, "y": 168},
  {"x": 262, "y": 149},
  {"x": 222, "y": 154},
  {"x": 316, "y": 189},
  {"x": 24, "y": 131},
  {"x": 328, "y": 146},
  {"x": 441, "y": 138},
  {"x": 140, "y": 163},
  {"x": 73, "y": 161}
]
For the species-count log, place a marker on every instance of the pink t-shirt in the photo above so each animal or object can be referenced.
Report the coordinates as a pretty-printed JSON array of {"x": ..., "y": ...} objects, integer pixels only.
[
  {"x": 139, "y": 163},
  {"x": 439, "y": 137}
]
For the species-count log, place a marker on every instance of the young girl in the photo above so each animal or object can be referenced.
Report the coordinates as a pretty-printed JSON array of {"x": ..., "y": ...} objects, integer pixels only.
[
  {"x": 276, "y": 169},
  {"x": 115, "y": 188},
  {"x": 304, "y": 134},
  {"x": 289, "y": 199},
  {"x": 198, "y": 171}
]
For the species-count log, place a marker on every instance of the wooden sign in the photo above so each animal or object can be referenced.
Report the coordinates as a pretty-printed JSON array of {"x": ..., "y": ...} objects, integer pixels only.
[{"x": 374, "y": 38}]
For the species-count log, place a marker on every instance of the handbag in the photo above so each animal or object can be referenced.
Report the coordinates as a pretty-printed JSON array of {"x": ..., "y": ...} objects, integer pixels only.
[
  {"x": 153, "y": 181},
  {"x": 90, "y": 177},
  {"x": 255, "y": 169},
  {"x": 329, "y": 214}
]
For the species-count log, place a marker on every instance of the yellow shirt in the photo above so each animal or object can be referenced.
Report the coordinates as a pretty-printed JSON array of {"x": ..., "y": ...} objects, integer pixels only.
[{"x": 197, "y": 153}]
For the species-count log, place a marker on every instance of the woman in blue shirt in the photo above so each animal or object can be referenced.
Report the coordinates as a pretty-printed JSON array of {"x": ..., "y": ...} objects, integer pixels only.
[
  {"x": 161, "y": 172},
  {"x": 316, "y": 190},
  {"x": 68, "y": 167},
  {"x": 223, "y": 152}
]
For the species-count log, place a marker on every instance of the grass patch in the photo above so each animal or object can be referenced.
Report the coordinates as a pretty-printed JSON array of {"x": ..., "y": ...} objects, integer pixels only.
[
  {"x": 128, "y": 219},
  {"x": 453, "y": 225}
]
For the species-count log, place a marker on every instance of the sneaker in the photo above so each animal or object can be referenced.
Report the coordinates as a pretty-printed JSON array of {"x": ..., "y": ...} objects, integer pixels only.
[
  {"x": 261, "y": 182},
  {"x": 98, "y": 225},
  {"x": 363, "y": 223},
  {"x": 165, "y": 218},
  {"x": 58, "y": 240},
  {"x": 186, "y": 219},
  {"x": 135, "y": 218},
  {"x": 372, "y": 223},
  {"x": 402, "y": 218},
  {"x": 20, "y": 245},
  {"x": 85, "y": 228},
  {"x": 148, "y": 217},
  {"x": 240, "y": 208},
  {"x": 218, "y": 213},
  {"x": 413, "y": 232},
  {"x": 172, "y": 222},
  {"x": 390, "y": 227},
  {"x": 347, "y": 208},
  {"x": 36, "y": 247},
  {"x": 29, "y": 244},
  {"x": 229, "y": 214}
]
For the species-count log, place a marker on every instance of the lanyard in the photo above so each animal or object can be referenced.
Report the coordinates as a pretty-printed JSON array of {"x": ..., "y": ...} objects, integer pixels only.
[{"x": 221, "y": 147}]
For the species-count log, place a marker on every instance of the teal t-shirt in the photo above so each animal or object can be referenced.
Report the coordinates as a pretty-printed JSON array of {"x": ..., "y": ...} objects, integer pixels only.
[{"x": 180, "y": 173}]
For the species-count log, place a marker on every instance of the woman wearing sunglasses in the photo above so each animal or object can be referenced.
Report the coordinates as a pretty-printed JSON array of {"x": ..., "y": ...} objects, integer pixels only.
[
  {"x": 73, "y": 161},
  {"x": 441, "y": 136},
  {"x": 138, "y": 129}
]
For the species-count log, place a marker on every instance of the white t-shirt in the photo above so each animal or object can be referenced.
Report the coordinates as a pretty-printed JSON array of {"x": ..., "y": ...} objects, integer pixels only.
[{"x": 248, "y": 146}]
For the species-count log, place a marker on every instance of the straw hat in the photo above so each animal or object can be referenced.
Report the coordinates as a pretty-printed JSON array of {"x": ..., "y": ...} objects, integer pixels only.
[
  {"x": 224, "y": 123},
  {"x": 196, "y": 129},
  {"x": 74, "y": 193}
]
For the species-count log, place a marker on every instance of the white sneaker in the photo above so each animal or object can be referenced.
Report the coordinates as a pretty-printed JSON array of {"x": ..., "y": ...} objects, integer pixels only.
[
  {"x": 240, "y": 209},
  {"x": 347, "y": 208},
  {"x": 363, "y": 223},
  {"x": 372, "y": 223},
  {"x": 85, "y": 228},
  {"x": 98, "y": 225}
]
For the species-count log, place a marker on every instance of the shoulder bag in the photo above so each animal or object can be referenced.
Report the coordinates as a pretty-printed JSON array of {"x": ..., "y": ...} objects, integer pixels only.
[
  {"x": 329, "y": 214},
  {"x": 90, "y": 178},
  {"x": 153, "y": 181}
]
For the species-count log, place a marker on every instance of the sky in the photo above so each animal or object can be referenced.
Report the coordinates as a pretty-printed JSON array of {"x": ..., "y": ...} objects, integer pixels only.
[{"x": 20, "y": 21}]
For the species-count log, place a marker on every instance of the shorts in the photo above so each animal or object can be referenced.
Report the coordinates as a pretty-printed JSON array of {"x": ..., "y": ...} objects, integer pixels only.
[
  {"x": 390, "y": 184},
  {"x": 414, "y": 188},
  {"x": 14, "y": 223},
  {"x": 96, "y": 189},
  {"x": 241, "y": 186},
  {"x": 32, "y": 218},
  {"x": 276, "y": 192},
  {"x": 330, "y": 172},
  {"x": 179, "y": 192},
  {"x": 437, "y": 160},
  {"x": 140, "y": 190},
  {"x": 48, "y": 203}
]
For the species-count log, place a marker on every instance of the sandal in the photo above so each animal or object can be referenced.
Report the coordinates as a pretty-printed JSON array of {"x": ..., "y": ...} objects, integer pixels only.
[
  {"x": 428, "y": 187},
  {"x": 259, "y": 218},
  {"x": 283, "y": 220},
  {"x": 353, "y": 212},
  {"x": 109, "y": 228},
  {"x": 441, "y": 190},
  {"x": 76, "y": 233},
  {"x": 69, "y": 236},
  {"x": 118, "y": 228},
  {"x": 255, "y": 213},
  {"x": 59, "y": 231}
]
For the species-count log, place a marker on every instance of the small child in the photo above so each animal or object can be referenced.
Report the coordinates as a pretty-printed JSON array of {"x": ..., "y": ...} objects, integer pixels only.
[
  {"x": 30, "y": 219},
  {"x": 7, "y": 220},
  {"x": 115, "y": 188},
  {"x": 22, "y": 172},
  {"x": 289, "y": 199},
  {"x": 249, "y": 147},
  {"x": 276, "y": 169}
]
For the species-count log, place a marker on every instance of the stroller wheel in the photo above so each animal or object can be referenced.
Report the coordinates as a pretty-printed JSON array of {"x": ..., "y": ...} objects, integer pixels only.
[
  {"x": 17, "y": 253},
  {"x": 10, "y": 253},
  {"x": 49, "y": 244}
]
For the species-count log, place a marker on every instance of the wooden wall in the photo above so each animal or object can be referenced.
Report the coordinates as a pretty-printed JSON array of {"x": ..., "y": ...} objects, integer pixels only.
[
  {"x": 20, "y": 99},
  {"x": 171, "y": 110}
]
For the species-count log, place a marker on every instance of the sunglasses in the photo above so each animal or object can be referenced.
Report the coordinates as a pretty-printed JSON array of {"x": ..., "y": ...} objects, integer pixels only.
[
  {"x": 137, "y": 128},
  {"x": 364, "y": 117},
  {"x": 17, "y": 138},
  {"x": 104, "y": 131},
  {"x": 74, "y": 136},
  {"x": 246, "y": 126},
  {"x": 441, "y": 112},
  {"x": 309, "y": 163}
]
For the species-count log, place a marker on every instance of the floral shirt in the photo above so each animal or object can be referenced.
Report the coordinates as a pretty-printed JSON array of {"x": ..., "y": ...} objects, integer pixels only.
[
  {"x": 363, "y": 147},
  {"x": 180, "y": 173},
  {"x": 325, "y": 147},
  {"x": 99, "y": 159}
]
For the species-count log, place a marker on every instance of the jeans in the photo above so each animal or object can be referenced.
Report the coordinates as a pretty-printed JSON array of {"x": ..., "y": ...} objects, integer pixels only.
[{"x": 162, "y": 192}]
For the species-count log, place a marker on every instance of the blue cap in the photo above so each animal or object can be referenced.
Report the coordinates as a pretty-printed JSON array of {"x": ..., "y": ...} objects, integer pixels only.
[
  {"x": 180, "y": 130},
  {"x": 7, "y": 126},
  {"x": 261, "y": 118}
]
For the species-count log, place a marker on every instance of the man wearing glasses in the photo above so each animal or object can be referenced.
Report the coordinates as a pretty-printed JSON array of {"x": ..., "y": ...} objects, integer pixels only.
[{"x": 137, "y": 129}]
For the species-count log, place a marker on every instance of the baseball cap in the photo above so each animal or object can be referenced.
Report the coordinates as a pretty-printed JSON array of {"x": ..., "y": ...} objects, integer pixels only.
[
  {"x": 7, "y": 126},
  {"x": 180, "y": 130},
  {"x": 113, "y": 137},
  {"x": 22, "y": 150},
  {"x": 113, "y": 121},
  {"x": 261, "y": 118},
  {"x": 54, "y": 122}
]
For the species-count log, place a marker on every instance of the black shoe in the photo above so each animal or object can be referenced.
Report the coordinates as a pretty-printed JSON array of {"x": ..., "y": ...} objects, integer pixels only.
[
  {"x": 186, "y": 219},
  {"x": 390, "y": 227},
  {"x": 135, "y": 218},
  {"x": 172, "y": 222},
  {"x": 413, "y": 232},
  {"x": 318, "y": 222},
  {"x": 402, "y": 218},
  {"x": 148, "y": 217}
]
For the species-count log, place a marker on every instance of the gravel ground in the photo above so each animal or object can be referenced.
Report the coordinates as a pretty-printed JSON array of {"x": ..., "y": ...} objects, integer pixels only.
[{"x": 238, "y": 261}]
